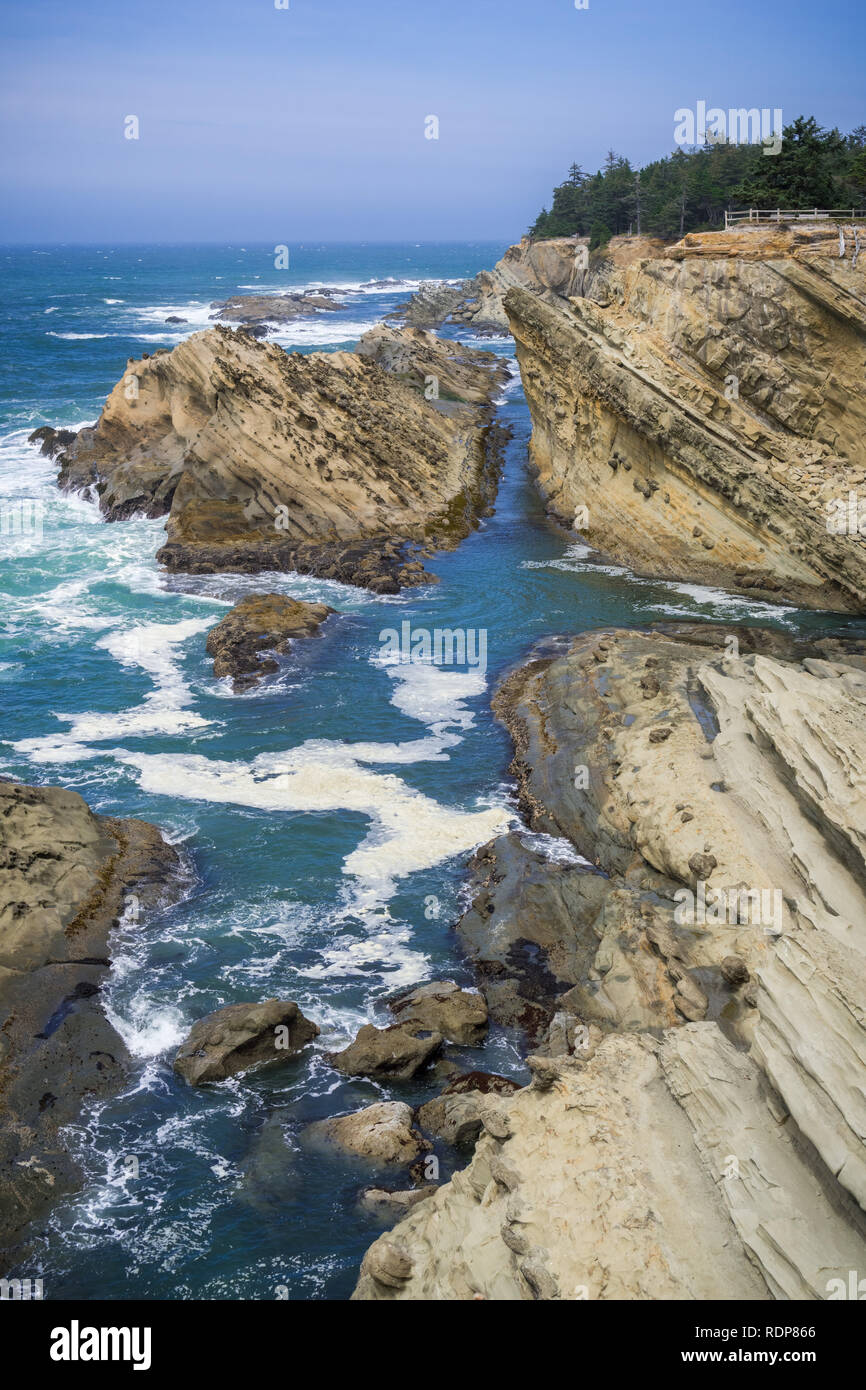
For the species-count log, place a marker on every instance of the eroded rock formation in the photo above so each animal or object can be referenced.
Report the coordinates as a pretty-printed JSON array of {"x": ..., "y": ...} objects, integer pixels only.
[
  {"x": 704, "y": 403},
  {"x": 258, "y": 624},
  {"x": 324, "y": 463},
  {"x": 695, "y": 991},
  {"x": 557, "y": 266}
]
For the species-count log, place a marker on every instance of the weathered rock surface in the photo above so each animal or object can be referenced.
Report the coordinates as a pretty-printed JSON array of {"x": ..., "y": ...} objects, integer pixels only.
[
  {"x": 704, "y": 403},
  {"x": 457, "y": 1119},
  {"x": 65, "y": 874},
  {"x": 387, "y": 1207},
  {"x": 259, "y": 310},
  {"x": 460, "y": 1015},
  {"x": 616, "y": 1177},
  {"x": 382, "y": 1133},
  {"x": 438, "y": 368},
  {"x": 557, "y": 267},
  {"x": 708, "y": 1041},
  {"x": 323, "y": 463},
  {"x": 258, "y": 624},
  {"x": 396, "y": 1052},
  {"x": 239, "y": 1037}
]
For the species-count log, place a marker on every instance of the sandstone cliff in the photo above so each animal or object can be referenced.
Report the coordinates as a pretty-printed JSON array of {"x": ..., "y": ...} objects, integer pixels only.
[
  {"x": 64, "y": 874},
  {"x": 705, "y": 404},
  {"x": 696, "y": 1125},
  {"x": 325, "y": 463}
]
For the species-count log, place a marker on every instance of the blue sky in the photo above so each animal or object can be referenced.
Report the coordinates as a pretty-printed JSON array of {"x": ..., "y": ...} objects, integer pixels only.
[{"x": 285, "y": 125}]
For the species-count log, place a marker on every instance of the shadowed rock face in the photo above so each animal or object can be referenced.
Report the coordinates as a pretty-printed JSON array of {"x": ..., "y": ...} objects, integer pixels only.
[
  {"x": 714, "y": 1060},
  {"x": 257, "y": 624},
  {"x": 324, "y": 463},
  {"x": 64, "y": 877},
  {"x": 705, "y": 404}
]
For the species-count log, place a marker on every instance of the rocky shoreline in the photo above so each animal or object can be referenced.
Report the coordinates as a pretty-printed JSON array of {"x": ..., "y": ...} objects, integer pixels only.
[
  {"x": 695, "y": 1078},
  {"x": 66, "y": 878},
  {"x": 677, "y": 930}
]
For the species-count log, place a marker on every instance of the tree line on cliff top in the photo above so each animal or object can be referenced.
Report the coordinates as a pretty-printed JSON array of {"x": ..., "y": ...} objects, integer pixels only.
[{"x": 690, "y": 189}]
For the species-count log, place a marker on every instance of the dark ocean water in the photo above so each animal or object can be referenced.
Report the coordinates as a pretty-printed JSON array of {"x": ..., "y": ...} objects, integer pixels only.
[{"x": 325, "y": 819}]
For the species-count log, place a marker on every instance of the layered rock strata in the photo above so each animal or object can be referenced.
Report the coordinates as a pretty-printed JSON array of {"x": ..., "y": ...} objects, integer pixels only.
[
  {"x": 693, "y": 973},
  {"x": 557, "y": 266},
  {"x": 323, "y": 463},
  {"x": 699, "y": 414}
]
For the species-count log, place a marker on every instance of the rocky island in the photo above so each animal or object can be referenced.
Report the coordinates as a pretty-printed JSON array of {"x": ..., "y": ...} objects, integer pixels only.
[{"x": 330, "y": 464}]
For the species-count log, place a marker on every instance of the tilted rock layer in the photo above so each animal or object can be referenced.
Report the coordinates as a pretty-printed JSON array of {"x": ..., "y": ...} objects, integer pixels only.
[
  {"x": 700, "y": 1084},
  {"x": 262, "y": 459},
  {"x": 557, "y": 266},
  {"x": 705, "y": 404}
]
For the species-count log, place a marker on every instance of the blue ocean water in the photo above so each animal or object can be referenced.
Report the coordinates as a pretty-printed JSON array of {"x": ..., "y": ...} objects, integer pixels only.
[{"x": 325, "y": 819}]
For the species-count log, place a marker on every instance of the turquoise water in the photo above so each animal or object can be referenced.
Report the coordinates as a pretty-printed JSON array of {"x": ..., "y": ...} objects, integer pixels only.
[{"x": 325, "y": 820}]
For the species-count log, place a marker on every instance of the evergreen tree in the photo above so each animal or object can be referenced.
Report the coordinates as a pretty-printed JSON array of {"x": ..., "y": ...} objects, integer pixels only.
[{"x": 690, "y": 190}]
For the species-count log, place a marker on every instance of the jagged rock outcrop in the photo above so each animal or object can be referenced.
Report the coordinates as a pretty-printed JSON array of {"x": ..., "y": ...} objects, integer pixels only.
[
  {"x": 323, "y": 463},
  {"x": 612, "y": 1178},
  {"x": 557, "y": 266},
  {"x": 386, "y": 1207},
  {"x": 260, "y": 310},
  {"x": 258, "y": 624},
  {"x": 66, "y": 876},
  {"x": 238, "y": 1037},
  {"x": 704, "y": 403},
  {"x": 708, "y": 1040}
]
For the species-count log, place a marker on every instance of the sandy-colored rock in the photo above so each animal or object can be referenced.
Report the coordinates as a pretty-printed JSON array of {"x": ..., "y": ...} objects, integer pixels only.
[
  {"x": 258, "y": 624},
  {"x": 720, "y": 1104},
  {"x": 614, "y": 1181},
  {"x": 460, "y": 1015},
  {"x": 762, "y": 783},
  {"x": 596, "y": 1193},
  {"x": 396, "y": 1052},
  {"x": 704, "y": 404},
  {"x": 382, "y": 1133},
  {"x": 323, "y": 463},
  {"x": 457, "y": 1119},
  {"x": 239, "y": 1037},
  {"x": 387, "y": 1207}
]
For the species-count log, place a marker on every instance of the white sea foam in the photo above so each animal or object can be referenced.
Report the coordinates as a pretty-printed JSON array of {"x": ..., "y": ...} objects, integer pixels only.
[
  {"x": 320, "y": 331},
  {"x": 436, "y": 696},
  {"x": 164, "y": 711},
  {"x": 409, "y": 831},
  {"x": 197, "y": 312},
  {"x": 577, "y": 559}
]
